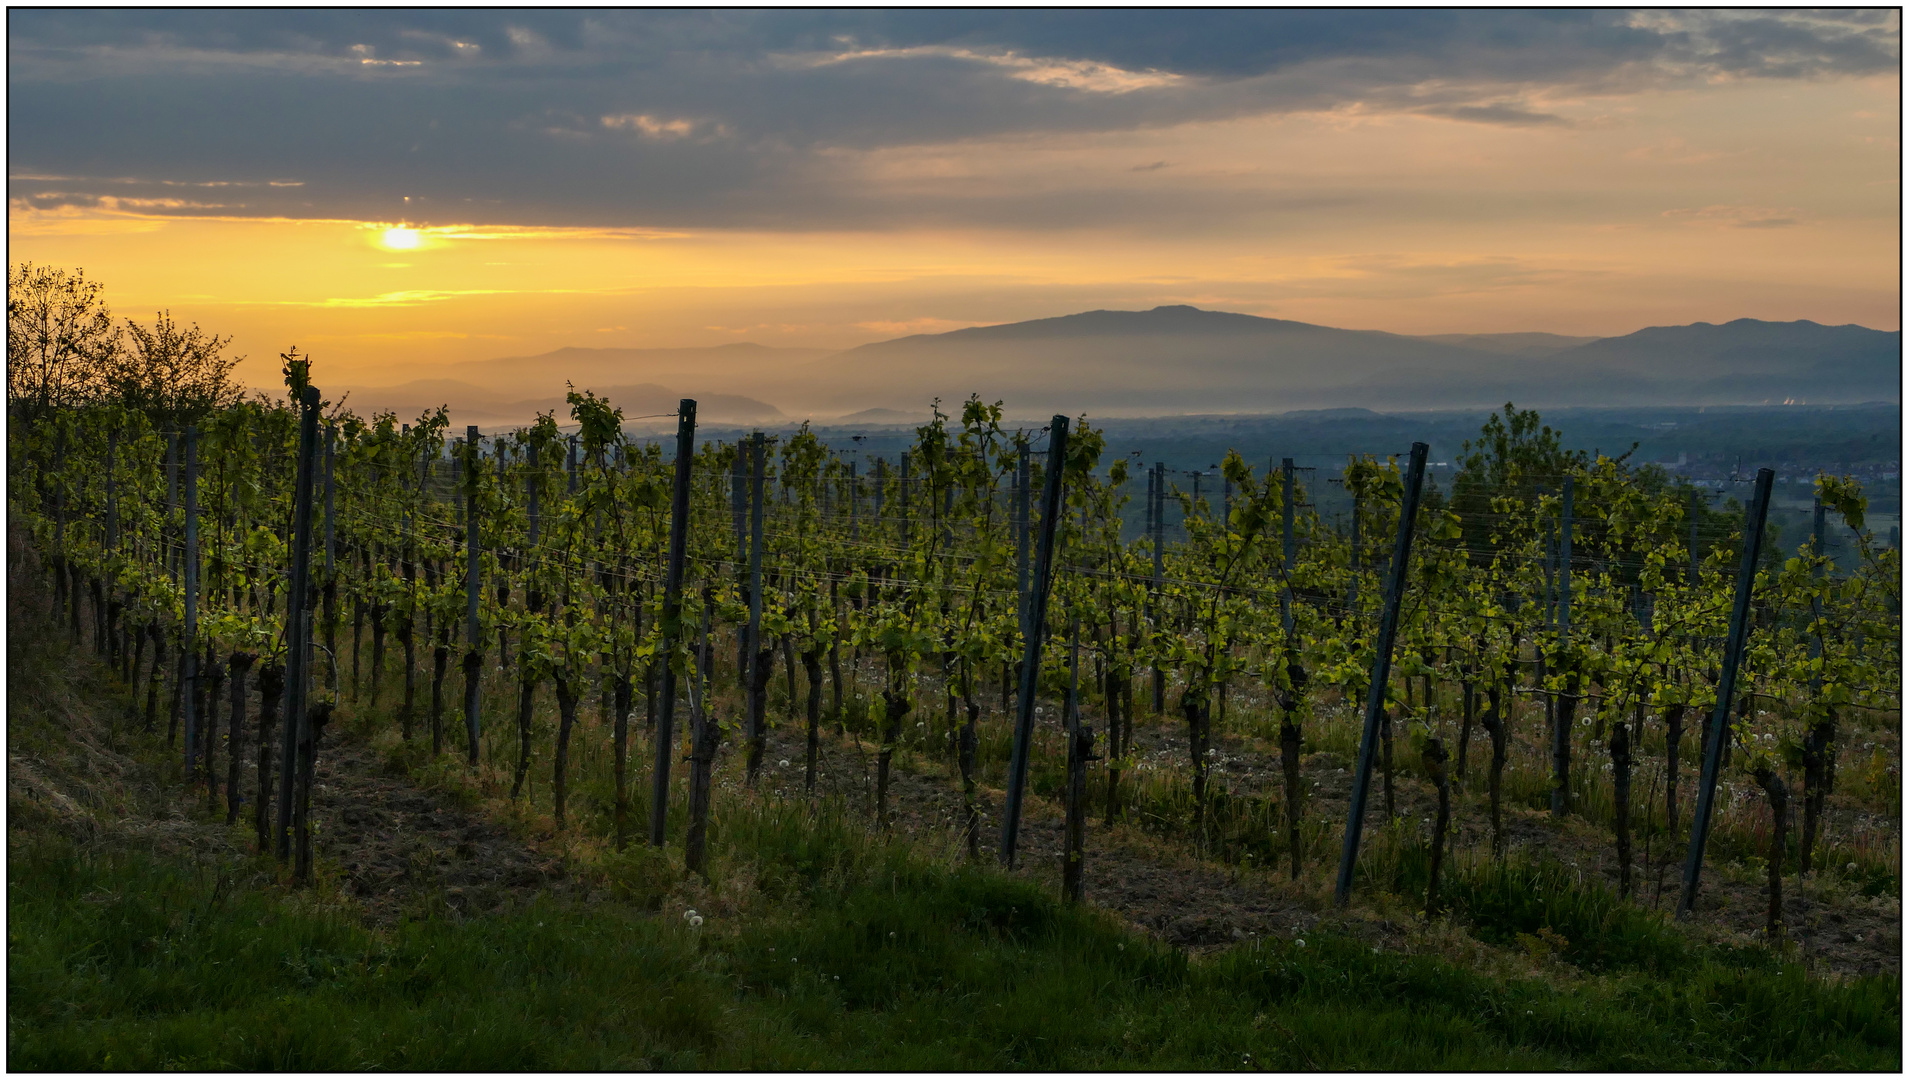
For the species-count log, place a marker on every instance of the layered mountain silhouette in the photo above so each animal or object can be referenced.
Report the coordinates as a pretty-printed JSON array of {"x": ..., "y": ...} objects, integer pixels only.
[
  {"x": 1180, "y": 359},
  {"x": 1748, "y": 362}
]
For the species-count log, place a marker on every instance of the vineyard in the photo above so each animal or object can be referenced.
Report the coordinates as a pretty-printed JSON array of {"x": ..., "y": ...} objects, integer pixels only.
[{"x": 1565, "y": 676}]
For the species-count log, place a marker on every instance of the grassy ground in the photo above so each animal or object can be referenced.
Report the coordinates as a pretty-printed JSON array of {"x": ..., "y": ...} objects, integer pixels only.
[
  {"x": 873, "y": 959},
  {"x": 143, "y": 935}
]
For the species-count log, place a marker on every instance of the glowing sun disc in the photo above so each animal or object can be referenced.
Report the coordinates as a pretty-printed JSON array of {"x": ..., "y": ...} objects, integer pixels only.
[{"x": 402, "y": 239}]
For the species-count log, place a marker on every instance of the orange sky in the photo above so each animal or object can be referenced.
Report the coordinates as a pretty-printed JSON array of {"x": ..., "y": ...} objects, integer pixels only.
[{"x": 1707, "y": 200}]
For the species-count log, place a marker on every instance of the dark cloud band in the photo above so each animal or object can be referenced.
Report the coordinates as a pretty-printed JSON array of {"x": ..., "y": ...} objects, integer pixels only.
[{"x": 741, "y": 118}]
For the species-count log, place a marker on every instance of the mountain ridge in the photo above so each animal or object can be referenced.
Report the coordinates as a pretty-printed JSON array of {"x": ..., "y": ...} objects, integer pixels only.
[{"x": 1180, "y": 359}]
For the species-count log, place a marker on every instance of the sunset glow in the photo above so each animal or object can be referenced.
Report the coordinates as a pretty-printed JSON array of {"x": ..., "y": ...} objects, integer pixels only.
[
  {"x": 401, "y": 239},
  {"x": 1415, "y": 188}
]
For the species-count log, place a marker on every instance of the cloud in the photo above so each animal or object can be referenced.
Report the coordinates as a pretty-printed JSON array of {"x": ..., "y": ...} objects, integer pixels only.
[
  {"x": 52, "y": 200},
  {"x": 1736, "y": 217},
  {"x": 1393, "y": 278},
  {"x": 402, "y": 298},
  {"x": 923, "y": 325},
  {"x": 1046, "y": 71},
  {"x": 1779, "y": 44},
  {"x": 655, "y": 127},
  {"x": 366, "y": 54},
  {"x": 680, "y": 119},
  {"x": 1497, "y": 114}
]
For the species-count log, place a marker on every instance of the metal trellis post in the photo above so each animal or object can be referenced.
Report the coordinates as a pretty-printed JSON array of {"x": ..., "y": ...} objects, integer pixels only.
[
  {"x": 672, "y": 616},
  {"x": 1035, "y": 605},
  {"x": 1381, "y": 671},
  {"x": 1733, "y": 648}
]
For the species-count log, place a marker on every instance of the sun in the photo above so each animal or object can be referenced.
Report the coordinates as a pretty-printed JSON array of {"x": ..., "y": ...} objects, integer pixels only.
[{"x": 402, "y": 239}]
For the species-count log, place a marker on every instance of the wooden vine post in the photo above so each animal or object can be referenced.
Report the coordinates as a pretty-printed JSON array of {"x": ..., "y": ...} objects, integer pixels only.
[
  {"x": 1381, "y": 672},
  {"x": 533, "y": 499},
  {"x": 1159, "y": 573},
  {"x": 758, "y": 664},
  {"x": 1821, "y": 737},
  {"x": 739, "y": 522},
  {"x": 1035, "y": 605},
  {"x": 331, "y": 558},
  {"x": 1022, "y": 472},
  {"x": 1146, "y": 528},
  {"x": 1146, "y": 531},
  {"x": 295, "y": 688},
  {"x": 1289, "y": 743},
  {"x": 1080, "y": 750},
  {"x": 1290, "y": 553},
  {"x": 292, "y": 802},
  {"x": 1566, "y": 712},
  {"x": 189, "y": 566},
  {"x": 672, "y": 616},
  {"x": 172, "y": 500},
  {"x": 1733, "y": 648},
  {"x": 738, "y": 494},
  {"x": 473, "y": 581}
]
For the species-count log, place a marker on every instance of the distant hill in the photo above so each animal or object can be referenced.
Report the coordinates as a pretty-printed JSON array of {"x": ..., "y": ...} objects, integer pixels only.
[
  {"x": 1171, "y": 359},
  {"x": 1181, "y": 359},
  {"x": 1747, "y": 361},
  {"x": 1177, "y": 359}
]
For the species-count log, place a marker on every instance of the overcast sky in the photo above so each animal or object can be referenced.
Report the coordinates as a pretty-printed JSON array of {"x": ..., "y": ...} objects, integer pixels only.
[{"x": 682, "y": 178}]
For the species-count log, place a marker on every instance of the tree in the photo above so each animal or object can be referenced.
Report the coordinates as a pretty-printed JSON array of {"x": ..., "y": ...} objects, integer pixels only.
[
  {"x": 176, "y": 376},
  {"x": 1515, "y": 456},
  {"x": 60, "y": 336}
]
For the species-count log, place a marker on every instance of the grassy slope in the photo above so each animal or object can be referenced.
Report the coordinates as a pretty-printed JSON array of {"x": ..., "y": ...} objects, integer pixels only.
[{"x": 834, "y": 951}]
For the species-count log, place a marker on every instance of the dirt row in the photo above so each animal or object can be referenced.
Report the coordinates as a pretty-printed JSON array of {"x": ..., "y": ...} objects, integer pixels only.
[
  {"x": 402, "y": 849},
  {"x": 1161, "y": 886}
]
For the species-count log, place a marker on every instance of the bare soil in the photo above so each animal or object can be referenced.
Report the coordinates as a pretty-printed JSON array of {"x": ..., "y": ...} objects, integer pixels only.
[
  {"x": 1166, "y": 889},
  {"x": 403, "y": 849}
]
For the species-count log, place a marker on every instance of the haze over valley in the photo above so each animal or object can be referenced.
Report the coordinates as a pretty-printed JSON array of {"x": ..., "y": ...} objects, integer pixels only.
[{"x": 1178, "y": 359}]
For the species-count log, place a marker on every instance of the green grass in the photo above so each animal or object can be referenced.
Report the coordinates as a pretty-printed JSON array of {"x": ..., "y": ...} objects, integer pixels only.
[
  {"x": 861, "y": 955},
  {"x": 824, "y": 947},
  {"x": 1542, "y": 906},
  {"x": 1867, "y": 865},
  {"x": 1240, "y": 828}
]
